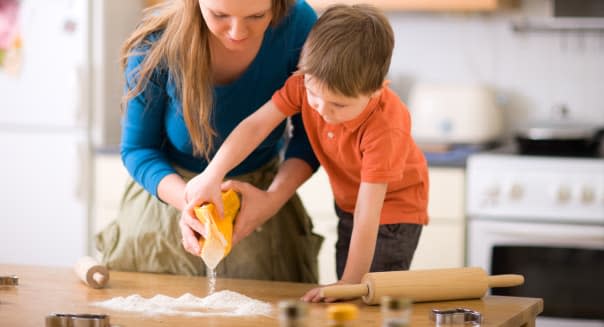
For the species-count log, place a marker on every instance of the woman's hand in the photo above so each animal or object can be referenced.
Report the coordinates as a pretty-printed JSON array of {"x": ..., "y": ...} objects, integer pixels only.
[
  {"x": 189, "y": 225},
  {"x": 199, "y": 190},
  {"x": 257, "y": 206},
  {"x": 314, "y": 295}
]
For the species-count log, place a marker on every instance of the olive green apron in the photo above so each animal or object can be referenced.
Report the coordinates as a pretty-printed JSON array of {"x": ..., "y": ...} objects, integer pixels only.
[{"x": 145, "y": 237}]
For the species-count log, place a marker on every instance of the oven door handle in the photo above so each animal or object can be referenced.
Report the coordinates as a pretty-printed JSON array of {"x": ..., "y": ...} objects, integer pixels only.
[{"x": 588, "y": 238}]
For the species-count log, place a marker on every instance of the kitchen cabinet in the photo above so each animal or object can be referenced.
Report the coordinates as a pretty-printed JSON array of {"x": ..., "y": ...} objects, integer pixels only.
[
  {"x": 110, "y": 177},
  {"x": 318, "y": 201},
  {"x": 149, "y": 3},
  {"x": 411, "y": 5},
  {"x": 424, "y": 5},
  {"x": 442, "y": 243}
]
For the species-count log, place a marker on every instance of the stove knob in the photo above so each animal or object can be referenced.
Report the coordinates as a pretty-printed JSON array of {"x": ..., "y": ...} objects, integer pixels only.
[
  {"x": 492, "y": 191},
  {"x": 563, "y": 194},
  {"x": 490, "y": 195},
  {"x": 516, "y": 191},
  {"x": 588, "y": 195}
]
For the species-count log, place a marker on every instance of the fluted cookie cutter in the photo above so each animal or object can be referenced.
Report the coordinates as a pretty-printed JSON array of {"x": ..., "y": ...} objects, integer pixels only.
[
  {"x": 12, "y": 280},
  {"x": 77, "y": 320},
  {"x": 458, "y": 316}
]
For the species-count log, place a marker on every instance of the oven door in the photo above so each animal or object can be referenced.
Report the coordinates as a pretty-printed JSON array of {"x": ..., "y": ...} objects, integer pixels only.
[{"x": 562, "y": 264}]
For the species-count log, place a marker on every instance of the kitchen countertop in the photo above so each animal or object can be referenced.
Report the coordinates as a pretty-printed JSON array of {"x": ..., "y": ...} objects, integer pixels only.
[{"x": 46, "y": 290}]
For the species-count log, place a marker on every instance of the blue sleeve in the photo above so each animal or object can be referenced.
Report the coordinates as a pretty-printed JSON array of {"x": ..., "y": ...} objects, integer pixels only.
[
  {"x": 304, "y": 17},
  {"x": 143, "y": 129}
]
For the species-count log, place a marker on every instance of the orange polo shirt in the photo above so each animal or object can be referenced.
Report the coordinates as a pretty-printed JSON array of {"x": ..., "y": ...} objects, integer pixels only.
[{"x": 375, "y": 147}]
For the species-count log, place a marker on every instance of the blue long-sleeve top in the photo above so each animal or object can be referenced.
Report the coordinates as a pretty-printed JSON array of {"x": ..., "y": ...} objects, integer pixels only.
[{"x": 154, "y": 134}]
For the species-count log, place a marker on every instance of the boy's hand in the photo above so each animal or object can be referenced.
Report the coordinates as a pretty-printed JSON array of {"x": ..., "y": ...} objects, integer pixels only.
[
  {"x": 314, "y": 295},
  {"x": 257, "y": 207}
]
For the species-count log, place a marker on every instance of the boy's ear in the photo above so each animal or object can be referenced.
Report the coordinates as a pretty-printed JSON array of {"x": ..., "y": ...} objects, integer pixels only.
[{"x": 378, "y": 92}]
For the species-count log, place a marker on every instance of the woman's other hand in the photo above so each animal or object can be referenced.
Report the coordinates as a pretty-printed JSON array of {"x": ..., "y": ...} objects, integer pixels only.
[
  {"x": 190, "y": 227},
  {"x": 257, "y": 206},
  {"x": 199, "y": 190}
]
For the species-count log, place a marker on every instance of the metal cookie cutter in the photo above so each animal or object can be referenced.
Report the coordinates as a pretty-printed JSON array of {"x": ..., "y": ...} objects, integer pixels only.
[
  {"x": 9, "y": 280},
  {"x": 77, "y": 320},
  {"x": 458, "y": 316}
]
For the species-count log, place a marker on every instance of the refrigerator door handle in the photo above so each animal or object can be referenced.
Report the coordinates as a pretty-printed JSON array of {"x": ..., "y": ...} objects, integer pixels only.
[
  {"x": 82, "y": 112},
  {"x": 82, "y": 188}
]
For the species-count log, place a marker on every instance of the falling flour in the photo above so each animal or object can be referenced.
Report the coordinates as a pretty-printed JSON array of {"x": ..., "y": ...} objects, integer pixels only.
[
  {"x": 223, "y": 303},
  {"x": 211, "y": 274}
]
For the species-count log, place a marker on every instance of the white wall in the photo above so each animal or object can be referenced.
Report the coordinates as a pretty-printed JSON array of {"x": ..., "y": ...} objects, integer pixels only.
[{"x": 531, "y": 72}]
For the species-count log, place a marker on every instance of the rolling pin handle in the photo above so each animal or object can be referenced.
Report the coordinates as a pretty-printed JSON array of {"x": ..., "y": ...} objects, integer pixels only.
[
  {"x": 91, "y": 272},
  {"x": 505, "y": 280},
  {"x": 99, "y": 278},
  {"x": 344, "y": 291}
]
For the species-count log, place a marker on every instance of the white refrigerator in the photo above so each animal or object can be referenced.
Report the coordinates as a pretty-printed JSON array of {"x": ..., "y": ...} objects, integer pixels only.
[{"x": 56, "y": 110}]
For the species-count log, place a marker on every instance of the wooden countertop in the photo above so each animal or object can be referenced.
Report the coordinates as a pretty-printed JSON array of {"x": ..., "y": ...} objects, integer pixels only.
[{"x": 46, "y": 290}]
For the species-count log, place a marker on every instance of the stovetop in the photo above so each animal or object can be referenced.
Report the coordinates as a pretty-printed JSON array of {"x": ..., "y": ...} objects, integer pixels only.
[
  {"x": 503, "y": 183},
  {"x": 513, "y": 149}
]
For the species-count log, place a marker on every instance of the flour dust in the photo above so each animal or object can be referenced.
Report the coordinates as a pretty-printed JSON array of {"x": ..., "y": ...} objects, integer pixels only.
[{"x": 222, "y": 303}]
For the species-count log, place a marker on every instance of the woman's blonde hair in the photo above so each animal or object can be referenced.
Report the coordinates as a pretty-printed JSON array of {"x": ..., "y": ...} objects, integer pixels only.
[
  {"x": 183, "y": 48},
  {"x": 349, "y": 49}
]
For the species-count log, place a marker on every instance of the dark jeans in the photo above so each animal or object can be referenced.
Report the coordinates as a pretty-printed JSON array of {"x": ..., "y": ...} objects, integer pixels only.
[{"x": 394, "y": 249}]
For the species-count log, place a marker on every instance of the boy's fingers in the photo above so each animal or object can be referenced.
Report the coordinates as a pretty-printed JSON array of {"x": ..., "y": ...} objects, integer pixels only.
[{"x": 312, "y": 296}]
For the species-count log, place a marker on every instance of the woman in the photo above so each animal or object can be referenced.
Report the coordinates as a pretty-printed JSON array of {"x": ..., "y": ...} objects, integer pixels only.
[{"x": 194, "y": 69}]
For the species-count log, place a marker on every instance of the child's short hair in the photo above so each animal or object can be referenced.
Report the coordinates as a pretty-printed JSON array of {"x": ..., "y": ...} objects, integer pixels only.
[{"x": 349, "y": 49}]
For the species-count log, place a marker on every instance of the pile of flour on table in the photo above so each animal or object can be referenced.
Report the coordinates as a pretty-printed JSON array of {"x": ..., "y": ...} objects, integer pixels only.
[{"x": 223, "y": 303}]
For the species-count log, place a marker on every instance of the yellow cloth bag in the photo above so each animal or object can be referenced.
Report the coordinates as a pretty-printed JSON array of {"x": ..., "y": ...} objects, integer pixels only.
[{"x": 217, "y": 245}]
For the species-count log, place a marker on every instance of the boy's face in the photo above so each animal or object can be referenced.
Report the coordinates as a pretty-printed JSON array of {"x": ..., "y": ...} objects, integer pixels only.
[{"x": 333, "y": 107}]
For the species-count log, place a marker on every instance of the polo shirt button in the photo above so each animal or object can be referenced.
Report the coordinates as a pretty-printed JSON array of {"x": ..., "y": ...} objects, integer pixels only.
[{"x": 330, "y": 135}]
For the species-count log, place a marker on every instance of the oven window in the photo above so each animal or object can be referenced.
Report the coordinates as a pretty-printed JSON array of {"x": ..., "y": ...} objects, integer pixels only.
[{"x": 570, "y": 280}]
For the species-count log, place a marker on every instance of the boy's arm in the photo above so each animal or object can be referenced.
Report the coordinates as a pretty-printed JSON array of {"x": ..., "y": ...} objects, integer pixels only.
[
  {"x": 367, "y": 212},
  {"x": 205, "y": 187}
]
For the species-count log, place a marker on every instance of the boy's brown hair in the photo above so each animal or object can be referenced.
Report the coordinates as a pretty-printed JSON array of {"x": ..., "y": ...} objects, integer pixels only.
[{"x": 349, "y": 49}]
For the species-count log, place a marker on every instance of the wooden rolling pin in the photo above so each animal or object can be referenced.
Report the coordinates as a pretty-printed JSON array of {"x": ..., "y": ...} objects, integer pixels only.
[
  {"x": 423, "y": 285},
  {"x": 91, "y": 272}
]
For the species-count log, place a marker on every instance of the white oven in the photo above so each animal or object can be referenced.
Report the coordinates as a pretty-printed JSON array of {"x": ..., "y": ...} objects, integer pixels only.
[{"x": 542, "y": 217}]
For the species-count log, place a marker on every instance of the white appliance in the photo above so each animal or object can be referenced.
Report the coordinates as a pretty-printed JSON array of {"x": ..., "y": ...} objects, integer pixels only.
[
  {"x": 454, "y": 114},
  {"x": 542, "y": 217},
  {"x": 61, "y": 105}
]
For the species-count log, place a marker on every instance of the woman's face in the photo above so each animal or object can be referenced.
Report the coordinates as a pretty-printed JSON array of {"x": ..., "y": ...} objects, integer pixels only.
[{"x": 237, "y": 24}]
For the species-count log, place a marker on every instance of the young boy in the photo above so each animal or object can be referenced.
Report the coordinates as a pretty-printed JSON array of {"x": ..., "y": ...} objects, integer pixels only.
[{"x": 360, "y": 133}]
